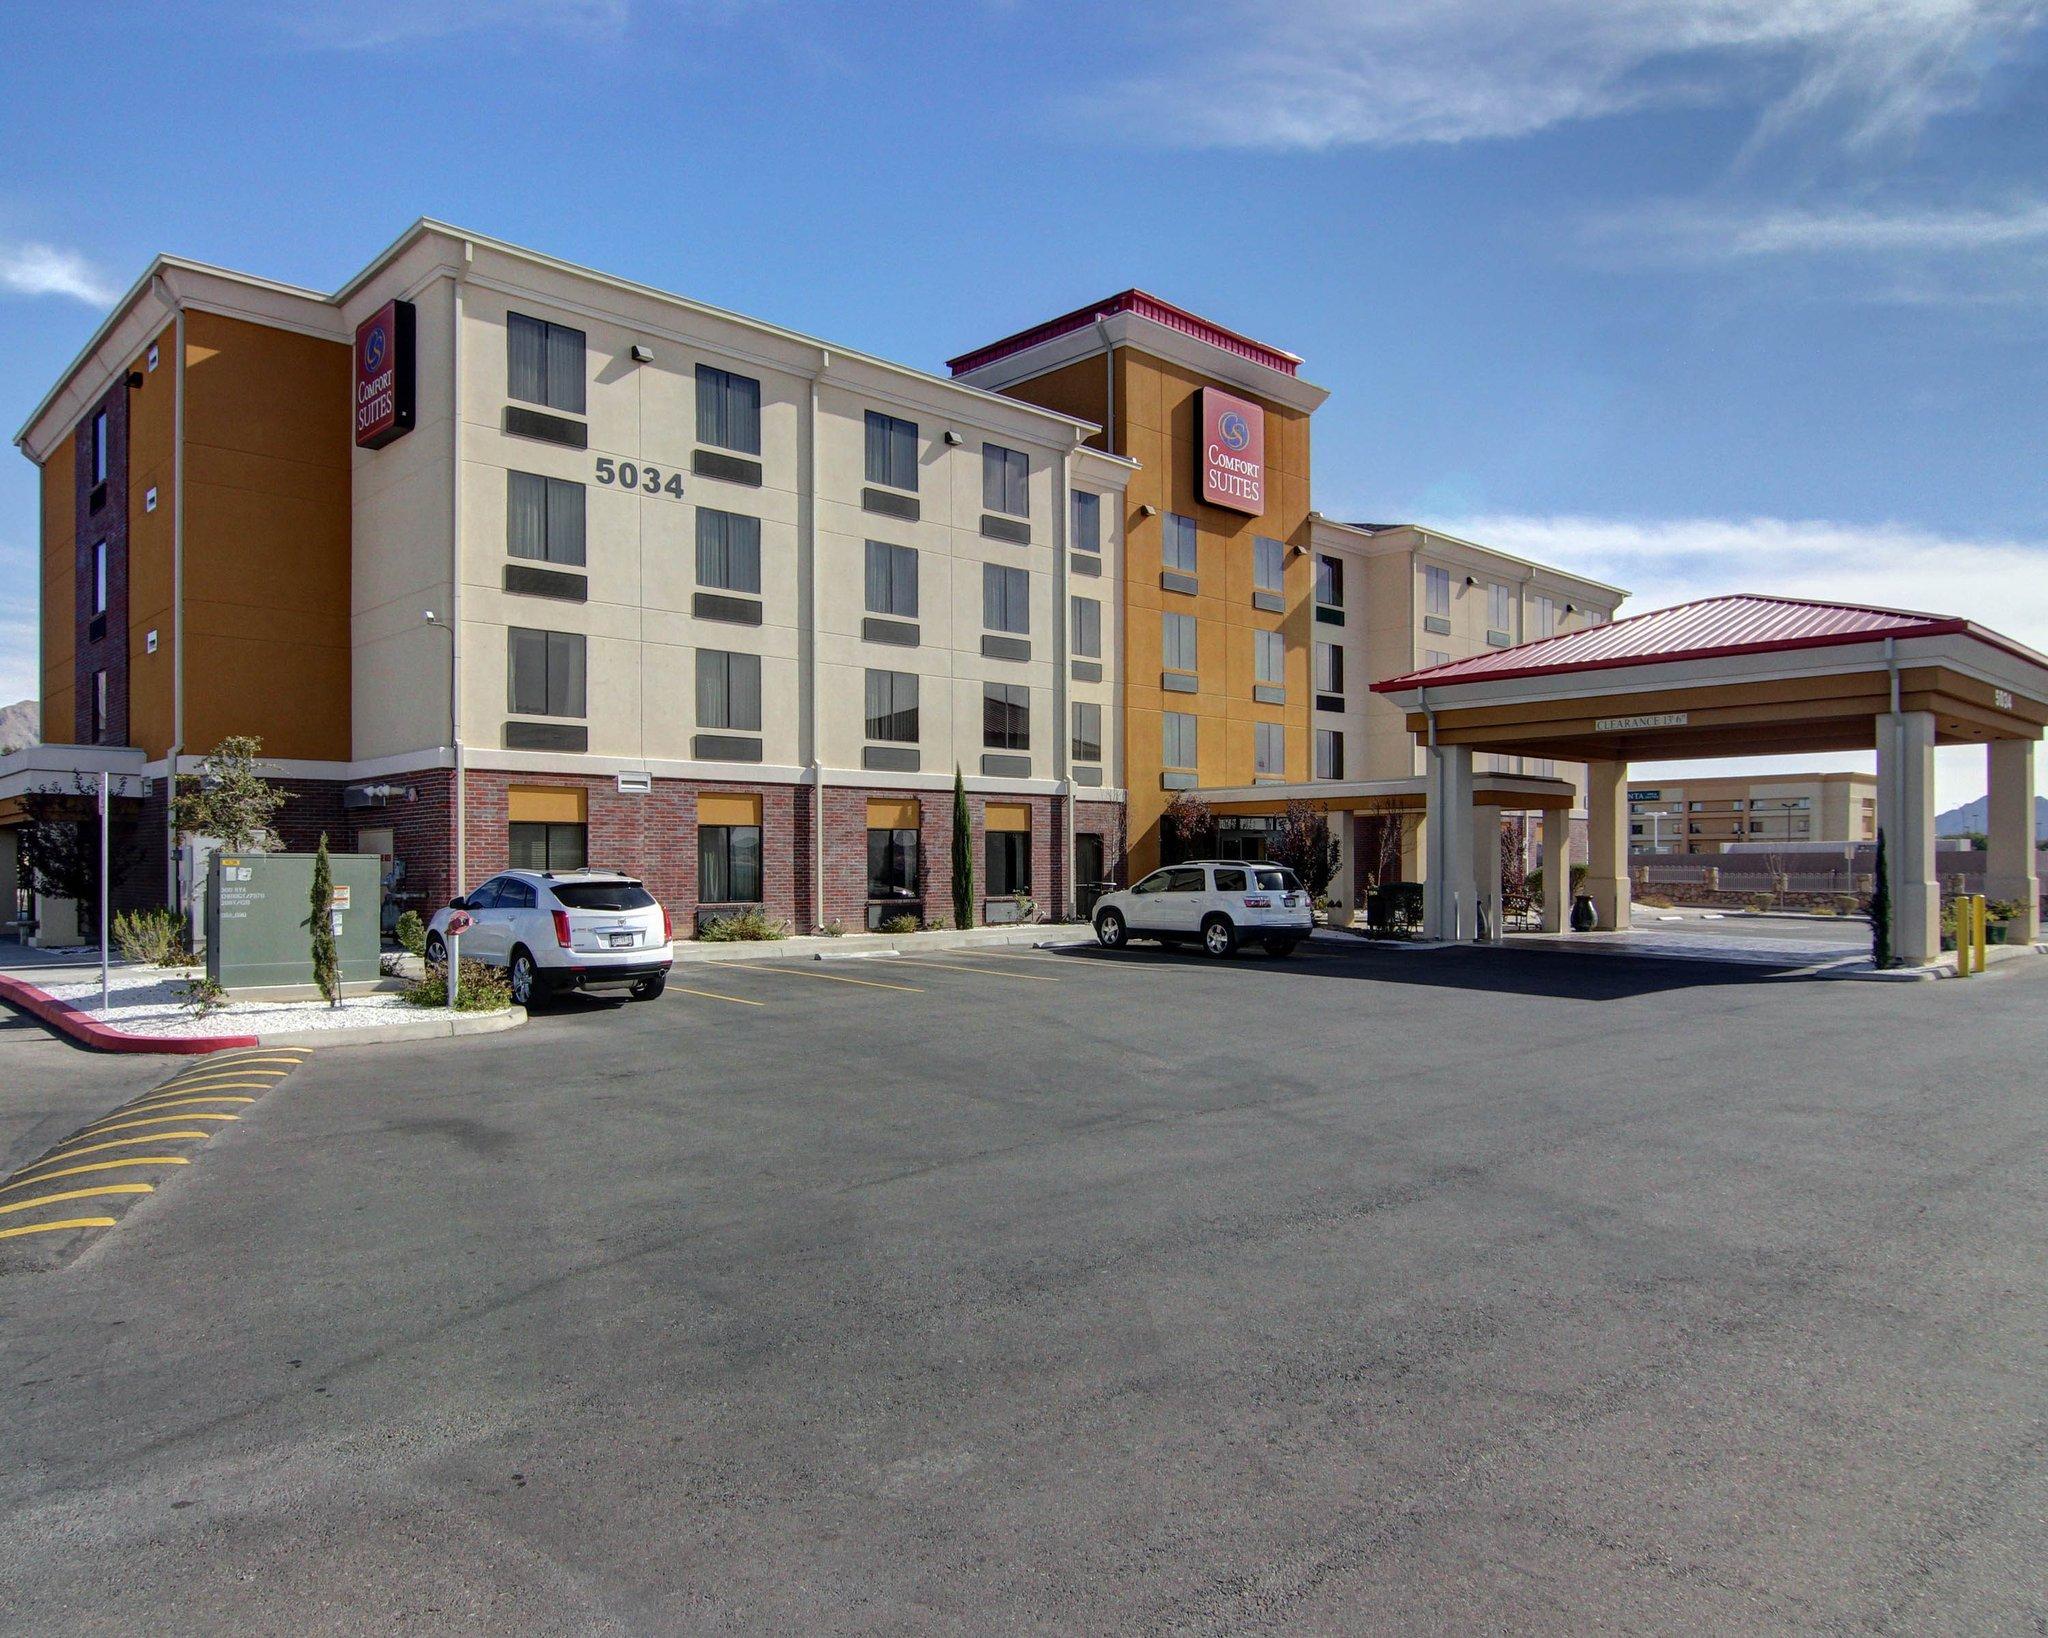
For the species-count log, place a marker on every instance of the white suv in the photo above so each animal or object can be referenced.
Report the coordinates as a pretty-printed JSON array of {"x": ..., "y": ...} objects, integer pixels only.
[
  {"x": 1222, "y": 902},
  {"x": 576, "y": 930}
]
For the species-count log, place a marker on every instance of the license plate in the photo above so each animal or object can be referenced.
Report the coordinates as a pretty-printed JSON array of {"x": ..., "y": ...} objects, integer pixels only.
[{"x": 619, "y": 941}]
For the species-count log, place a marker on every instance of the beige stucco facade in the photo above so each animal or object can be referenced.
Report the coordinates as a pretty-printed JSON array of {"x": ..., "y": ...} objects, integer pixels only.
[{"x": 1707, "y": 815}]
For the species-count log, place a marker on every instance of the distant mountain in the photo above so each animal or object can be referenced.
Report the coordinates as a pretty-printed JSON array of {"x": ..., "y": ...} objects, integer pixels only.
[
  {"x": 1976, "y": 815},
  {"x": 20, "y": 724}
]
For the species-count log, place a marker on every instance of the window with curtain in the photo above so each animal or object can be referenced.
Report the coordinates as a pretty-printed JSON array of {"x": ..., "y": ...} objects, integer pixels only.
[
  {"x": 1177, "y": 642},
  {"x": 1269, "y": 748},
  {"x": 1088, "y": 628},
  {"x": 1329, "y": 754},
  {"x": 1177, "y": 739},
  {"x": 1177, "y": 544},
  {"x": 892, "y": 864},
  {"x": 1269, "y": 658},
  {"x": 1543, "y": 617},
  {"x": 1269, "y": 564},
  {"x": 545, "y": 672},
  {"x": 892, "y": 580},
  {"x": 1087, "y": 731},
  {"x": 892, "y": 451},
  {"x": 728, "y": 550},
  {"x": 1329, "y": 582},
  {"x": 728, "y": 691},
  {"x": 99, "y": 708},
  {"x": 1436, "y": 656},
  {"x": 1500, "y": 608},
  {"x": 536, "y": 846},
  {"x": 1005, "y": 599},
  {"x": 543, "y": 518},
  {"x": 1006, "y": 716},
  {"x": 1087, "y": 529},
  {"x": 729, "y": 864},
  {"x": 1008, "y": 855},
  {"x": 1005, "y": 481},
  {"x": 99, "y": 577},
  {"x": 544, "y": 363},
  {"x": 99, "y": 448},
  {"x": 728, "y": 410},
  {"x": 1436, "y": 591},
  {"x": 892, "y": 706},
  {"x": 1329, "y": 668}
]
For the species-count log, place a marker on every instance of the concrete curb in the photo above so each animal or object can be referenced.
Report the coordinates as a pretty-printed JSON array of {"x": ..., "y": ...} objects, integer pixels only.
[
  {"x": 690, "y": 952},
  {"x": 89, "y": 1031},
  {"x": 432, "y": 1026}
]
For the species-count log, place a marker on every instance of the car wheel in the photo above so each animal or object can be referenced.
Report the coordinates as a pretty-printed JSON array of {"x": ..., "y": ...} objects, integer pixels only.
[
  {"x": 437, "y": 951},
  {"x": 1219, "y": 938},
  {"x": 525, "y": 978},
  {"x": 1281, "y": 947},
  {"x": 646, "y": 989},
  {"x": 1109, "y": 930}
]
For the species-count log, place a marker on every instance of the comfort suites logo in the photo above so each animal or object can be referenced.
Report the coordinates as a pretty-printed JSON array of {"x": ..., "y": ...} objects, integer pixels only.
[
  {"x": 384, "y": 375},
  {"x": 1233, "y": 452}
]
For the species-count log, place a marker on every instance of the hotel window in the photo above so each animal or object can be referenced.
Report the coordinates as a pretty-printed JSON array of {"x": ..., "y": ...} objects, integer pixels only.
[
  {"x": 1088, "y": 628},
  {"x": 1006, "y": 716},
  {"x": 728, "y": 691},
  {"x": 1006, "y": 847},
  {"x": 1005, "y": 599},
  {"x": 1329, "y": 754},
  {"x": 1329, "y": 582},
  {"x": 1500, "y": 609},
  {"x": 728, "y": 550},
  {"x": 1005, "y": 475},
  {"x": 1329, "y": 668},
  {"x": 1177, "y": 739},
  {"x": 1435, "y": 656},
  {"x": 1177, "y": 545},
  {"x": 1436, "y": 591},
  {"x": 892, "y": 706},
  {"x": 1087, "y": 522},
  {"x": 534, "y": 845},
  {"x": 545, "y": 673},
  {"x": 99, "y": 577},
  {"x": 99, "y": 707},
  {"x": 1269, "y": 658},
  {"x": 543, "y": 518},
  {"x": 894, "y": 870},
  {"x": 1269, "y": 564},
  {"x": 892, "y": 451},
  {"x": 728, "y": 850},
  {"x": 728, "y": 410},
  {"x": 99, "y": 449},
  {"x": 1543, "y": 617},
  {"x": 544, "y": 363},
  {"x": 892, "y": 580},
  {"x": 1177, "y": 642},
  {"x": 1087, "y": 731},
  {"x": 1269, "y": 748}
]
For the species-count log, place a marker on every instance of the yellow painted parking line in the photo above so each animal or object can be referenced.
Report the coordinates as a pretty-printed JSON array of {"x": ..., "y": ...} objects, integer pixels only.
[
  {"x": 171, "y": 1092},
  {"x": 830, "y": 978},
  {"x": 94, "y": 1166},
  {"x": 174, "y": 1103},
  {"x": 213, "y": 1083},
  {"x": 98, "y": 1127},
  {"x": 993, "y": 972},
  {"x": 221, "y": 1060},
  {"x": 79, "y": 1194},
  {"x": 52, "y": 1228},
  {"x": 713, "y": 995},
  {"x": 120, "y": 1143}
]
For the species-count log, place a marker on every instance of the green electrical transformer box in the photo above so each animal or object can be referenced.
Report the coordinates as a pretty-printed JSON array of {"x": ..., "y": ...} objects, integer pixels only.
[{"x": 259, "y": 918}]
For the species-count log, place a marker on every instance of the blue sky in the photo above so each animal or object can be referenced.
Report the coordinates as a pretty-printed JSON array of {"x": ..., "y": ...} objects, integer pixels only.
[{"x": 1744, "y": 294}]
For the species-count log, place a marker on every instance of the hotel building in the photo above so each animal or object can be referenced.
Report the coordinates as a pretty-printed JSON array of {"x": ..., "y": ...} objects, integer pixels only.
[{"x": 1708, "y": 815}]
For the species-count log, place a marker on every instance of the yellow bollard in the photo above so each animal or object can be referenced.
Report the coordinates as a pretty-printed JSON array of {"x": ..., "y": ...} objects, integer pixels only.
[{"x": 1980, "y": 928}]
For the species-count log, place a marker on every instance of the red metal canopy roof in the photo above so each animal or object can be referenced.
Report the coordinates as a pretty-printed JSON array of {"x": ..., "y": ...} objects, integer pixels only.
[
  {"x": 1707, "y": 629},
  {"x": 1143, "y": 305}
]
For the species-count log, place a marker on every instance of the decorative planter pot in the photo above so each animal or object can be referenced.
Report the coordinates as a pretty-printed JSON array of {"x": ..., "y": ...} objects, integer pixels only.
[{"x": 1584, "y": 916}]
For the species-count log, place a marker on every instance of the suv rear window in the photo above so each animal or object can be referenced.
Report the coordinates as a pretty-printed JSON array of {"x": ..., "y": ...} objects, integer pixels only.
[
  {"x": 603, "y": 896},
  {"x": 1279, "y": 881}
]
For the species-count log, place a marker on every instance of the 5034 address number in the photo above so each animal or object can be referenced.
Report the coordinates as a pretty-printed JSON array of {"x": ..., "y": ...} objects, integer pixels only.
[{"x": 651, "y": 480}]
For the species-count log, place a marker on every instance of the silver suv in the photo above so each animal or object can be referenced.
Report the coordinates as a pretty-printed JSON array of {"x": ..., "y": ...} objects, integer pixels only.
[
  {"x": 1221, "y": 902},
  {"x": 568, "y": 930}
]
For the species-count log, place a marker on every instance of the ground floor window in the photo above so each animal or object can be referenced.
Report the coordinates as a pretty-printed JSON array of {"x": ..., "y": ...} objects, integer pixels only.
[
  {"x": 892, "y": 864},
  {"x": 729, "y": 864},
  {"x": 548, "y": 846},
  {"x": 1009, "y": 862}
]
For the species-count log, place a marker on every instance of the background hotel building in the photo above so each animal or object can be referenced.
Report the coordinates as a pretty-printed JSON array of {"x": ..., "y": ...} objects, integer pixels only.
[
  {"x": 1706, "y": 815},
  {"x": 722, "y": 605}
]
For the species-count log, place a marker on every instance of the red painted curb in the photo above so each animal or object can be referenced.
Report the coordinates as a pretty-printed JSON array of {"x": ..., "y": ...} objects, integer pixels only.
[{"x": 89, "y": 1031}]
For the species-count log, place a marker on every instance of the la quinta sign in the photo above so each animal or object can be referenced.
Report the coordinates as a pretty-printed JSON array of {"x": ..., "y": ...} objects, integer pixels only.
[
  {"x": 384, "y": 401},
  {"x": 1233, "y": 452}
]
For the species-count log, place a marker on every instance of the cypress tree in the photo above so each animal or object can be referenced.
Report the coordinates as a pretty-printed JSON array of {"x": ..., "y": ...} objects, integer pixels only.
[
  {"x": 326, "y": 962},
  {"x": 1881, "y": 912},
  {"x": 963, "y": 854}
]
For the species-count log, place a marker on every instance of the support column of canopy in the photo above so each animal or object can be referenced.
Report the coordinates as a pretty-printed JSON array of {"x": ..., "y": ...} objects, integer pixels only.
[
  {"x": 1486, "y": 863},
  {"x": 1557, "y": 868},
  {"x": 1607, "y": 840},
  {"x": 1905, "y": 815},
  {"x": 2009, "y": 869},
  {"x": 1448, "y": 888}
]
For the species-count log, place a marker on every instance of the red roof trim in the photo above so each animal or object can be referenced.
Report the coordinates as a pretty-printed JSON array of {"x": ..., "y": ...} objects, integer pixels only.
[{"x": 1143, "y": 305}]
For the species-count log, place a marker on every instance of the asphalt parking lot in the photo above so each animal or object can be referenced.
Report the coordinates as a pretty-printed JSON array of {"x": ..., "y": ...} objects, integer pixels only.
[{"x": 1368, "y": 1291}]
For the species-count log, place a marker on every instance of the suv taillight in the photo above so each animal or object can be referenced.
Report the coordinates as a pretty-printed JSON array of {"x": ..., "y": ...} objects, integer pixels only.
[
  {"x": 1257, "y": 901},
  {"x": 562, "y": 928},
  {"x": 668, "y": 931}
]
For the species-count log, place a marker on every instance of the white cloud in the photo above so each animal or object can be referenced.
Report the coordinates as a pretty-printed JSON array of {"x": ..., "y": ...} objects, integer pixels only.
[
  {"x": 1331, "y": 73},
  {"x": 44, "y": 270},
  {"x": 1695, "y": 232}
]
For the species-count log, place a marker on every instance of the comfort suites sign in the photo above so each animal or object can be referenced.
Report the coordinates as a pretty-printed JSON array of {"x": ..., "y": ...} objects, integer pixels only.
[
  {"x": 384, "y": 406},
  {"x": 1233, "y": 452}
]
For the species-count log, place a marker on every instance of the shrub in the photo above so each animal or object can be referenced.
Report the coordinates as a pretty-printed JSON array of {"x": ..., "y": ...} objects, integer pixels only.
[
  {"x": 750, "y": 926},
  {"x": 411, "y": 933},
  {"x": 900, "y": 924},
  {"x": 203, "y": 995},
  {"x": 1760, "y": 901},
  {"x": 480, "y": 988},
  {"x": 155, "y": 936},
  {"x": 833, "y": 929},
  {"x": 1653, "y": 901}
]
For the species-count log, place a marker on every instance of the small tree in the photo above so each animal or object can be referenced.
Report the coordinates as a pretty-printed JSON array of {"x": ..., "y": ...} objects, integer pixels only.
[
  {"x": 1189, "y": 821},
  {"x": 229, "y": 799},
  {"x": 58, "y": 844},
  {"x": 1379, "y": 836},
  {"x": 963, "y": 854},
  {"x": 1305, "y": 844},
  {"x": 326, "y": 963},
  {"x": 1881, "y": 911}
]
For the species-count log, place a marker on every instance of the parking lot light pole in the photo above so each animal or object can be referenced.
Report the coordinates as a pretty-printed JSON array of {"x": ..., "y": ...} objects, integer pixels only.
[{"x": 105, "y": 819}]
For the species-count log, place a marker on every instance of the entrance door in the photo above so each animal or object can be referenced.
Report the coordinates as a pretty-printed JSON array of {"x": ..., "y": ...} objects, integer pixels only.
[
  {"x": 1088, "y": 871},
  {"x": 379, "y": 839}
]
